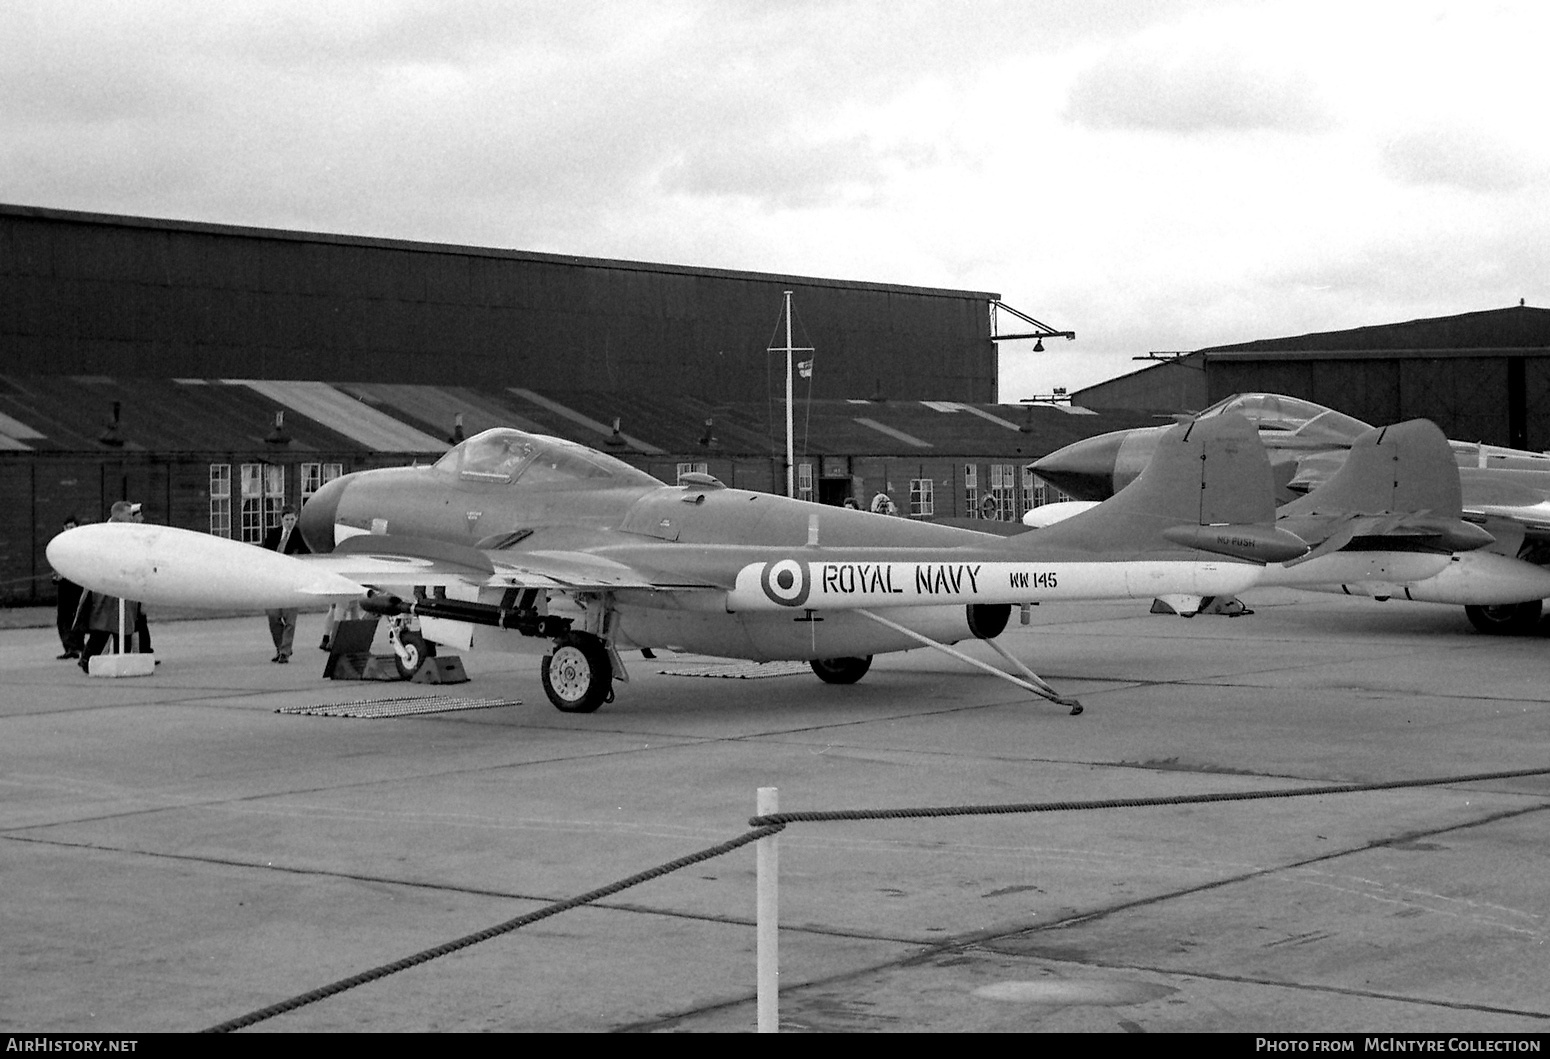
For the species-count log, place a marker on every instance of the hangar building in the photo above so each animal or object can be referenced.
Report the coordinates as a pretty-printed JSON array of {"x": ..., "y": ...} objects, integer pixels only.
[
  {"x": 87, "y": 294},
  {"x": 1481, "y": 376}
]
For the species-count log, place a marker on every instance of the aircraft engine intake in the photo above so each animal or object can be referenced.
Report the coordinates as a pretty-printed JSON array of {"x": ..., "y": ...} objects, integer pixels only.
[{"x": 318, "y": 514}]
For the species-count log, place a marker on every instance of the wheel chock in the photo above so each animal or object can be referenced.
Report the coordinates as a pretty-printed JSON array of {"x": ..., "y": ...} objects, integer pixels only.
[{"x": 439, "y": 670}]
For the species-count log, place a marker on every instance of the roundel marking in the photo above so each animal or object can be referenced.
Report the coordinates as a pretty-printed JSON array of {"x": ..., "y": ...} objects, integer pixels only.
[{"x": 785, "y": 582}]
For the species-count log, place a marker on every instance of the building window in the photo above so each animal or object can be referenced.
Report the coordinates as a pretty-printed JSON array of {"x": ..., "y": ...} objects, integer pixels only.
[
  {"x": 971, "y": 490},
  {"x": 1040, "y": 492},
  {"x": 1003, "y": 492},
  {"x": 315, "y": 476},
  {"x": 922, "y": 498},
  {"x": 220, "y": 499},
  {"x": 691, "y": 468},
  {"x": 263, "y": 495},
  {"x": 804, "y": 481}
]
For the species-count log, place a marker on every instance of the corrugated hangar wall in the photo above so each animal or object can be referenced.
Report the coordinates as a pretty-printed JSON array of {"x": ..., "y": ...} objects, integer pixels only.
[
  {"x": 86, "y": 294},
  {"x": 1473, "y": 398}
]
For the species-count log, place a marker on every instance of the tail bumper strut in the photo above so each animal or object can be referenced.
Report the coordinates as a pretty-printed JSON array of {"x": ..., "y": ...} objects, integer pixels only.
[{"x": 1032, "y": 682}]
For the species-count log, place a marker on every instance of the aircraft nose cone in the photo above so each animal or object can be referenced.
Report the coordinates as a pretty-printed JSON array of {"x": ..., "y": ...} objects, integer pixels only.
[
  {"x": 1084, "y": 469},
  {"x": 318, "y": 514}
]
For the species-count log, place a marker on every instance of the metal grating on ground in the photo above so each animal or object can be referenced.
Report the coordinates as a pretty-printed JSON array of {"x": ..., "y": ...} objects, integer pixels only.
[
  {"x": 740, "y": 670},
  {"x": 401, "y": 706}
]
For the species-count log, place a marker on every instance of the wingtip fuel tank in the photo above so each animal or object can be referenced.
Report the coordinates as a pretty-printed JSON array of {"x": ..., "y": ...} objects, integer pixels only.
[{"x": 177, "y": 567}]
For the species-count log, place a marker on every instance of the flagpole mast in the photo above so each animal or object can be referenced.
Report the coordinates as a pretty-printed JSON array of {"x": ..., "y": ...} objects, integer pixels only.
[
  {"x": 807, "y": 370},
  {"x": 791, "y": 467}
]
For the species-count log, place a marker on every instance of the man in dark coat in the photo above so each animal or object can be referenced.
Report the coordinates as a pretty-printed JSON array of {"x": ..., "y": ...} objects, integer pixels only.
[
  {"x": 286, "y": 539},
  {"x": 69, "y": 597}
]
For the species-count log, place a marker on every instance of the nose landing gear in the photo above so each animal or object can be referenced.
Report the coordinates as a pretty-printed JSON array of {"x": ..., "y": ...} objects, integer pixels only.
[{"x": 410, "y": 648}]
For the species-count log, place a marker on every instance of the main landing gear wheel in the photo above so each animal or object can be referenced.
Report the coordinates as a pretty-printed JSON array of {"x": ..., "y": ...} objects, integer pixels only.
[
  {"x": 578, "y": 677},
  {"x": 1505, "y": 619},
  {"x": 413, "y": 650},
  {"x": 841, "y": 670}
]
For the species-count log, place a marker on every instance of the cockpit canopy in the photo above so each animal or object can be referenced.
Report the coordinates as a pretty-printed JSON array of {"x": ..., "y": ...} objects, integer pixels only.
[
  {"x": 1294, "y": 416},
  {"x": 506, "y": 455}
]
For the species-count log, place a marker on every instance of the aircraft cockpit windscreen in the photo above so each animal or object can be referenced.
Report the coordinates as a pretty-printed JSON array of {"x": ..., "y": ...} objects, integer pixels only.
[
  {"x": 1333, "y": 425},
  {"x": 505, "y": 455},
  {"x": 1274, "y": 411}
]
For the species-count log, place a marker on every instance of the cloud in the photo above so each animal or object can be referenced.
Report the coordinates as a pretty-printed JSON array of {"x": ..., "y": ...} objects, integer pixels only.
[
  {"x": 1470, "y": 159},
  {"x": 510, "y": 122},
  {"x": 1134, "y": 88},
  {"x": 1422, "y": 275}
]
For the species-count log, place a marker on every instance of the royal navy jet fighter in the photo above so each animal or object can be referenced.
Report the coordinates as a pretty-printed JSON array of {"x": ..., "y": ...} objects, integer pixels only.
[
  {"x": 515, "y": 535},
  {"x": 1397, "y": 512},
  {"x": 1306, "y": 443}
]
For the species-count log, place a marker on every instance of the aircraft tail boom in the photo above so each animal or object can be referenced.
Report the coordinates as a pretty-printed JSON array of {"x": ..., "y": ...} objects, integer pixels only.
[{"x": 1208, "y": 487}]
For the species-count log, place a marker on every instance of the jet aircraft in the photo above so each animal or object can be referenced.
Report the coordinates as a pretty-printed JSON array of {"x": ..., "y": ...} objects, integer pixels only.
[
  {"x": 513, "y": 535},
  {"x": 1504, "y": 491}
]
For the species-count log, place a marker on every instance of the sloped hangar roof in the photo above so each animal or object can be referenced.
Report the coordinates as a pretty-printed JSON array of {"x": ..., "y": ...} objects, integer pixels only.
[
  {"x": 1516, "y": 327},
  {"x": 71, "y": 414}
]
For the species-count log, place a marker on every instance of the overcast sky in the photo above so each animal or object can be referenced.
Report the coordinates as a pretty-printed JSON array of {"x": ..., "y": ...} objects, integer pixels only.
[{"x": 1158, "y": 175}]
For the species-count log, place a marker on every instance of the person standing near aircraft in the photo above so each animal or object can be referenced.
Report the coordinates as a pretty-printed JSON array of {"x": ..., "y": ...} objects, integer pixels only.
[
  {"x": 69, "y": 597},
  {"x": 347, "y": 610},
  {"x": 97, "y": 614},
  {"x": 282, "y": 622},
  {"x": 142, "y": 627}
]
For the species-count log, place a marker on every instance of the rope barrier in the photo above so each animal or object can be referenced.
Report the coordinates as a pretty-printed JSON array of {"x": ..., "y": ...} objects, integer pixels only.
[
  {"x": 488, "y": 933},
  {"x": 1123, "y": 803},
  {"x": 774, "y": 823}
]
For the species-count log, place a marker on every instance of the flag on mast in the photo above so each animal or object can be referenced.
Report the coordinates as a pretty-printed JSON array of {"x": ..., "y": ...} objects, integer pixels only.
[{"x": 805, "y": 368}]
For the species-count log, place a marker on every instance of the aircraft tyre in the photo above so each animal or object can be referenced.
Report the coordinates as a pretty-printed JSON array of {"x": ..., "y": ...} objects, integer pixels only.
[
  {"x": 416, "y": 649},
  {"x": 841, "y": 670},
  {"x": 1506, "y": 619},
  {"x": 577, "y": 676}
]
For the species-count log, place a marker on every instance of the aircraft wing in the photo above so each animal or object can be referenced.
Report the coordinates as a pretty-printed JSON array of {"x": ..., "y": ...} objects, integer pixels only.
[
  {"x": 409, "y": 560},
  {"x": 177, "y": 567},
  {"x": 1420, "y": 527},
  {"x": 380, "y": 559},
  {"x": 581, "y": 570},
  {"x": 1508, "y": 498}
]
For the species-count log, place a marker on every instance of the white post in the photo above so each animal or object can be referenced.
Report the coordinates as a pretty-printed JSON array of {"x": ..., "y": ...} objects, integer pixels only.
[
  {"x": 791, "y": 467},
  {"x": 767, "y": 917},
  {"x": 120, "y": 645}
]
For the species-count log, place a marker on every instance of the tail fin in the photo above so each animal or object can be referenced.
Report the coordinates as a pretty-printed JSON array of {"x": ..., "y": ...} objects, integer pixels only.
[
  {"x": 1208, "y": 486},
  {"x": 1407, "y": 467},
  {"x": 1397, "y": 482}
]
